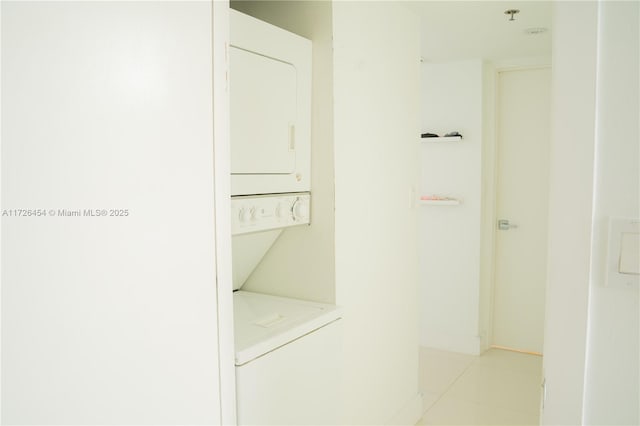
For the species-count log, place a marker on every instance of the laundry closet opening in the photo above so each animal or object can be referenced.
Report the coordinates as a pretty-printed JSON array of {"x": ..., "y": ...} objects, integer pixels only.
[{"x": 287, "y": 343}]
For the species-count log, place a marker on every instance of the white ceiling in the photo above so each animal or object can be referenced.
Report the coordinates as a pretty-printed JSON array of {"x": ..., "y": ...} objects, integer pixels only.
[{"x": 458, "y": 30}]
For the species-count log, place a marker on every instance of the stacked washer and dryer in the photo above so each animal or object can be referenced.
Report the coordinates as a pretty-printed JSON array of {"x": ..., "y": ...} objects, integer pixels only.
[{"x": 286, "y": 350}]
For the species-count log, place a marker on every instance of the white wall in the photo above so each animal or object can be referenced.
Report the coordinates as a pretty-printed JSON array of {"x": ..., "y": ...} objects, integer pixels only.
[
  {"x": 613, "y": 376},
  {"x": 108, "y": 320},
  {"x": 591, "y": 349},
  {"x": 376, "y": 93},
  {"x": 450, "y": 244},
  {"x": 570, "y": 209},
  {"x": 302, "y": 262}
]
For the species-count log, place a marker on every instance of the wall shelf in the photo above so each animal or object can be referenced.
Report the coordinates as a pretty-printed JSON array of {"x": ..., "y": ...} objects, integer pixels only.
[
  {"x": 440, "y": 202},
  {"x": 442, "y": 139}
]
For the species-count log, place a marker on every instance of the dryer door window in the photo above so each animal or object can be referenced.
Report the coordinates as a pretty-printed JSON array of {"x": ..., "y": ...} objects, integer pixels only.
[{"x": 263, "y": 114}]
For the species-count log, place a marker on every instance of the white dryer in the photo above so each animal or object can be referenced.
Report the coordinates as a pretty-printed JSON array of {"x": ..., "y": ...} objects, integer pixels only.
[{"x": 270, "y": 88}]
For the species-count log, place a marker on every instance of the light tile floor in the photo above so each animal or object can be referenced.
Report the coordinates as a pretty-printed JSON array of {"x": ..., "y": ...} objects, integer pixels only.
[{"x": 497, "y": 388}]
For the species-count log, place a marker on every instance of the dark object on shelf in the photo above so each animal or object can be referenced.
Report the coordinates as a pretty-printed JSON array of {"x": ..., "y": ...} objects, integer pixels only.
[
  {"x": 452, "y": 134},
  {"x": 429, "y": 135}
]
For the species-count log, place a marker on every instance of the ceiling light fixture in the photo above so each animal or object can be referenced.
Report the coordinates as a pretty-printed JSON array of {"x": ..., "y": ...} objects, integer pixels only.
[{"x": 512, "y": 12}]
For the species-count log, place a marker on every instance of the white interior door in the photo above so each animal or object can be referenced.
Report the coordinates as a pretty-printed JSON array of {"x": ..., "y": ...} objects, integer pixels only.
[{"x": 522, "y": 204}]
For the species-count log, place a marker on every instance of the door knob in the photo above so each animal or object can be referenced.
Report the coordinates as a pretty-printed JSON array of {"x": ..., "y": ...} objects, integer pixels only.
[{"x": 504, "y": 225}]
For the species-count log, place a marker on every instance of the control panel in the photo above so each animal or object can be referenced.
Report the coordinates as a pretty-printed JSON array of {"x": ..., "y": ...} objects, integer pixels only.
[{"x": 253, "y": 213}]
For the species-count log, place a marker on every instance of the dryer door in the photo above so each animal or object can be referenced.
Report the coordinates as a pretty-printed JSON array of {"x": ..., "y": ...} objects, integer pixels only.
[{"x": 263, "y": 114}]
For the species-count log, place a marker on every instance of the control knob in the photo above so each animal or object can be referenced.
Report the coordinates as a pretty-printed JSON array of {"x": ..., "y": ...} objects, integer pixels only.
[
  {"x": 300, "y": 210},
  {"x": 244, "y": 215}
]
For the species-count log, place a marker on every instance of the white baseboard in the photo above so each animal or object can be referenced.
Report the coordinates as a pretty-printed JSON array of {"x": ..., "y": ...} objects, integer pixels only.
[
  {"x": 453, "y": 342},
  {"x": 409, "y": 414}
]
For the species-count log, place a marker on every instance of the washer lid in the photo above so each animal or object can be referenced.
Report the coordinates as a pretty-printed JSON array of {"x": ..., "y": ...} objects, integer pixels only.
[{"x": 263, "y": 323}]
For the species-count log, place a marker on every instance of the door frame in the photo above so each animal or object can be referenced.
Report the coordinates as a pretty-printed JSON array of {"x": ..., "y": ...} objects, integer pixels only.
[{"x": 222, "y": 203}]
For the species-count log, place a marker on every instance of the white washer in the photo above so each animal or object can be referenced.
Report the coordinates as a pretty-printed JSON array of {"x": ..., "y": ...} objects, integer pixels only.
[{"x": 287, "y": 360}]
